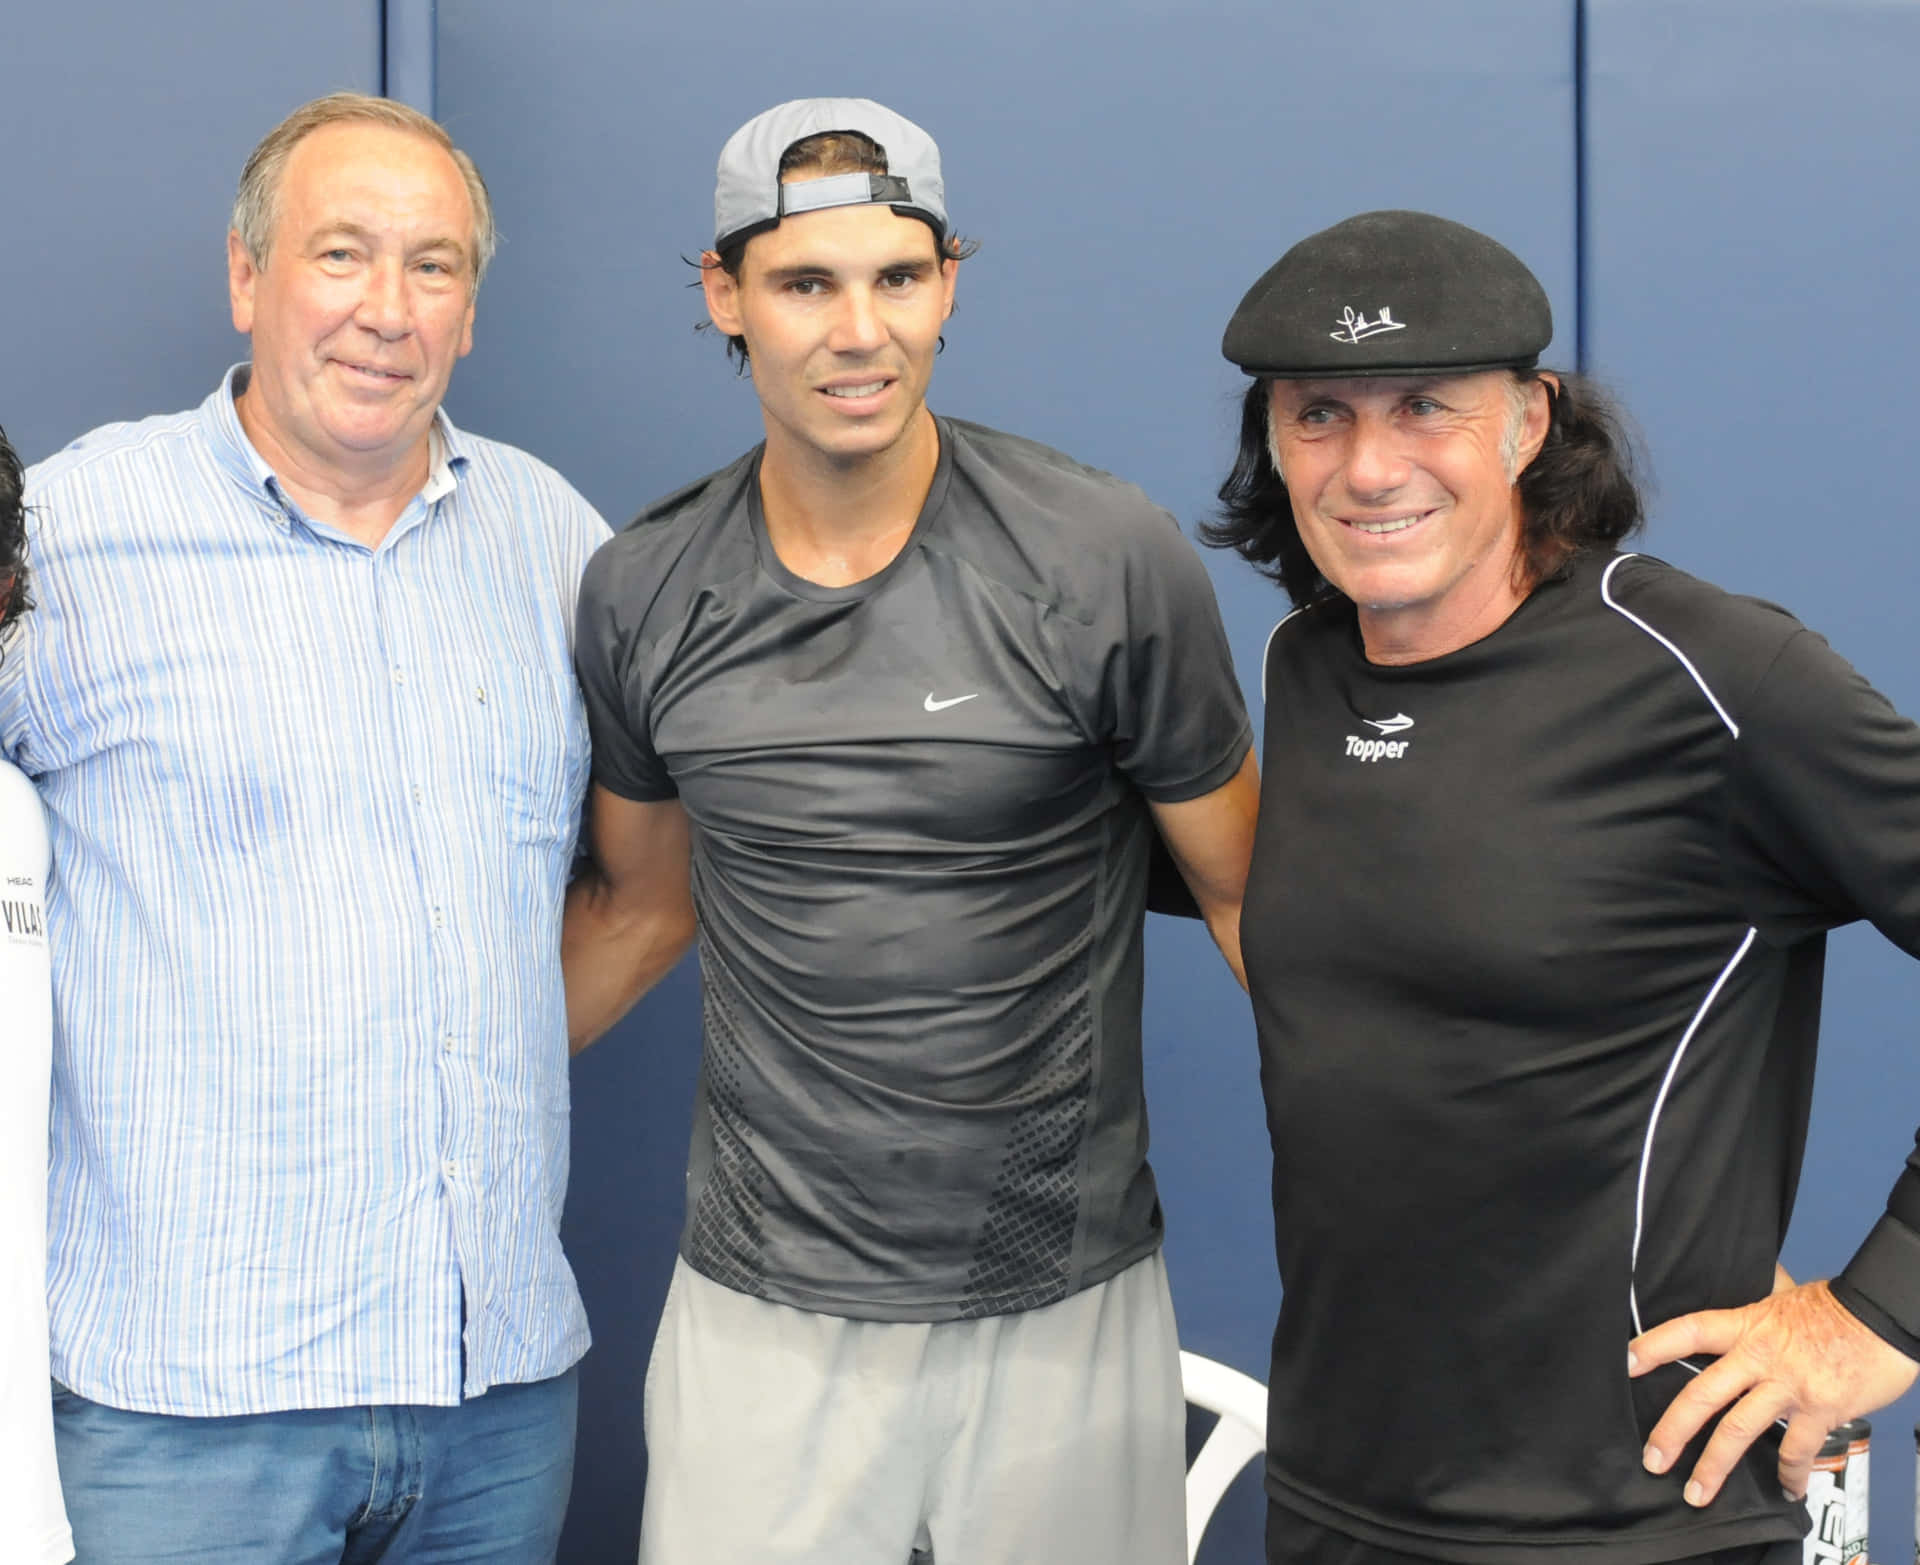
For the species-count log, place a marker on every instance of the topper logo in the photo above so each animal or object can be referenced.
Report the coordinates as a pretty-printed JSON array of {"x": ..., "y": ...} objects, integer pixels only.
[
  {"x": 1386, "y": 747},
  {"x": 1357, "y": 328}
]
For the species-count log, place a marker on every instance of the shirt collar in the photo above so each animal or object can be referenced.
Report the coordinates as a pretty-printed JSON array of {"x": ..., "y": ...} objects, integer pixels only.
[{"x": 448, "y": 449}]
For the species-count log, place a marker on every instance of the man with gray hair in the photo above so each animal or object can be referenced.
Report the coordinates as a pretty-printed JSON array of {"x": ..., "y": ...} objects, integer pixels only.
[
  {"x": 1551, "y": 839},
  {"x": 298, "y": 700}
]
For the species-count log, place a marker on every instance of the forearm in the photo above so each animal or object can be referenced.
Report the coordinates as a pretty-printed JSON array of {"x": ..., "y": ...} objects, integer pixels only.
[
  {"x": 1881, "y": 1284},
  {"x": 1211, "y": 840},
  {"x": 1223, "y": 923},
  {"x": 614, "y": 951}
]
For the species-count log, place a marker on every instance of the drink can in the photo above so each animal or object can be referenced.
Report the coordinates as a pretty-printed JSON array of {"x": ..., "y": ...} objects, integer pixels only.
[
  {"x": 1859, "y": 1435},
  {"x": 1916, "y": 1495},
  {"x": 1837, "y": 1497}
]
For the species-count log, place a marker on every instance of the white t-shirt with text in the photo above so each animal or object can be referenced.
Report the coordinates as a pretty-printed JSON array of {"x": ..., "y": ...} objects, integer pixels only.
[{"x": 33, "y": 1518}]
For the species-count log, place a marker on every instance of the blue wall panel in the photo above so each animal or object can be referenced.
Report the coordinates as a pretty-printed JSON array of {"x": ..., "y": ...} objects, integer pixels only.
[
  {"x": 1130, "y": 168},
  {"x": 1750, "y": 285},
  {"x": 125, "y": 127}
]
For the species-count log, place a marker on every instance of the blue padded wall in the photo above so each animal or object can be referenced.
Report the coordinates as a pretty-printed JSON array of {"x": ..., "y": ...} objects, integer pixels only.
[
  {"x": 1750, "y": 284},
  {"x": 125, "y": 127},
  {"x": 1130, "y": 169}
]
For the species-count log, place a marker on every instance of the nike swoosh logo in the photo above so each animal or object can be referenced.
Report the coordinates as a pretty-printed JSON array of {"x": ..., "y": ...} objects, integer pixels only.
[
  {"x": 1399, "y": 723},
  {"x": 941, "y": 706}
]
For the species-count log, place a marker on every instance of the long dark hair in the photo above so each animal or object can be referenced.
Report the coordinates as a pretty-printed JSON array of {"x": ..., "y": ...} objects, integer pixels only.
[{"x": 1583, "y": 490}]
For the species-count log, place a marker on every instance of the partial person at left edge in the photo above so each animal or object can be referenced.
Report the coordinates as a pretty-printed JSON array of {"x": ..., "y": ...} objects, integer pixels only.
[
  {"x": 298, "y": 698},
  {"x": 33, "y": 1522}
]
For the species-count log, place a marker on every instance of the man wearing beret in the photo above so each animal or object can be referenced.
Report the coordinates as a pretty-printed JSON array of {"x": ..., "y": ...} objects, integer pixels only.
[
  {"x": 897, "y": 703},
  {"x": 1550, "y": 840}
]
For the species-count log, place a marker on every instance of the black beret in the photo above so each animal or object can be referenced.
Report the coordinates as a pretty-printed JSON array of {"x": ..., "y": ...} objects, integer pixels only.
[{"x": 1390, "y": 293}]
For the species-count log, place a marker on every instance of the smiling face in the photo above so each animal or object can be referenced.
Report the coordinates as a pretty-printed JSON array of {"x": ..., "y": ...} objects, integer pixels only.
[
  {"x": 363, "y": 305},
  {"x": 841, "y": 310},
  {"x": 1403, "y": 492}
]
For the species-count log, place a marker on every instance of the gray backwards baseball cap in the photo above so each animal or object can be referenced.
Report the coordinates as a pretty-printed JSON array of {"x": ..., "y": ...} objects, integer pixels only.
[
  {"x": 1390, "y": 293},
  {"x": 748, "y": 196}
]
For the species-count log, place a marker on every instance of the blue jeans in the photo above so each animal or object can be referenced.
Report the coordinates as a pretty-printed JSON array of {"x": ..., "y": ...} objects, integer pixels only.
[{"x": 486, "y": 1481}]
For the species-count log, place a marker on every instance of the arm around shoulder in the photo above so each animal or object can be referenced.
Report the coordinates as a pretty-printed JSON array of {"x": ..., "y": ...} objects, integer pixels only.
[{"x": 629, "y": 915}]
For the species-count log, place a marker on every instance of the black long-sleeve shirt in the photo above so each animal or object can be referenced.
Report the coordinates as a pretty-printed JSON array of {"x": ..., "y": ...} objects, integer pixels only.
[{"x": 1535, "y": 933}]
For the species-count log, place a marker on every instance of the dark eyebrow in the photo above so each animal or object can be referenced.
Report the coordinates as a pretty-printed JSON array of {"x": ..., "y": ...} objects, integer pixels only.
[
  {"x": 920, "y": 266},
  {"x": 1319, "y": 399}
]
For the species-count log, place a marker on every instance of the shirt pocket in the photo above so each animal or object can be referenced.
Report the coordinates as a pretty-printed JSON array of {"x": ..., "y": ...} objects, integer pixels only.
[{"x": 535, "y": 730}]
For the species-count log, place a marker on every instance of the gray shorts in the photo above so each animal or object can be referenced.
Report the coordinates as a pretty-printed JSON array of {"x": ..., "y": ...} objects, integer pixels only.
[{"x": 782, "y": 1437}]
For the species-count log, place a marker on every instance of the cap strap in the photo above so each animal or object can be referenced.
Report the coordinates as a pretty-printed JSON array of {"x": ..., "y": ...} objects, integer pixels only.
[{"x": 810, "y": 195}]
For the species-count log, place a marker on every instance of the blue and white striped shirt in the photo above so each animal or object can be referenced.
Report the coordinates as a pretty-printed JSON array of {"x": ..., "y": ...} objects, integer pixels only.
[{"x": 312, "y": 809}]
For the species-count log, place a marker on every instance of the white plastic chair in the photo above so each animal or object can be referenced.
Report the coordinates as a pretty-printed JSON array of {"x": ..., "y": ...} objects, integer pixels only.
[{"x": 1240, "y": 1436}]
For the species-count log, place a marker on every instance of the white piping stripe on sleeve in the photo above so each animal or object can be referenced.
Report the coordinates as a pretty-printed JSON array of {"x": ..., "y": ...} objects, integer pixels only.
[
  {"x": 1268, "y": 648},
  {"x": 1653, "y": 1123},
  {"x": 1606, "y": 592}
]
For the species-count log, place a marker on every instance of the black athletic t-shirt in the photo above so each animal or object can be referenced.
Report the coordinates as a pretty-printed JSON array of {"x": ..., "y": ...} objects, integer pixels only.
[
  {"x": 919, "y": 863},
  {"x": 1535, "y": 937}
]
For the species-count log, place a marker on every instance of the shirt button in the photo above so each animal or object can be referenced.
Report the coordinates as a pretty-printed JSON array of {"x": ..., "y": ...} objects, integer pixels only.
[
  {"x": 480, "y": 694},
  {"x": 418, "y": 796},
  {"x": 439, "y": 919},
  {"x": 399, "y": 676},
  {"x": 447, "y": 1043},
  {"x": 450, "y": 1168}
]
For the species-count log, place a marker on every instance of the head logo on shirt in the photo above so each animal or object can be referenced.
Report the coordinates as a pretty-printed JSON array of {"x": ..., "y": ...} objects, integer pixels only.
[{"x": 23, "y": 922}]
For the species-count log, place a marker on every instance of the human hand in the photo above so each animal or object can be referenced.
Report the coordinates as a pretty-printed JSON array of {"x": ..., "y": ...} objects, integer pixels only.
[{"x": 1796, "y": 1355}]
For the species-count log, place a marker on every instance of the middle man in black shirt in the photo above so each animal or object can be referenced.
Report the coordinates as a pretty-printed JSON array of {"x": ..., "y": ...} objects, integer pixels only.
[{"x": 896, "y": 703}]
